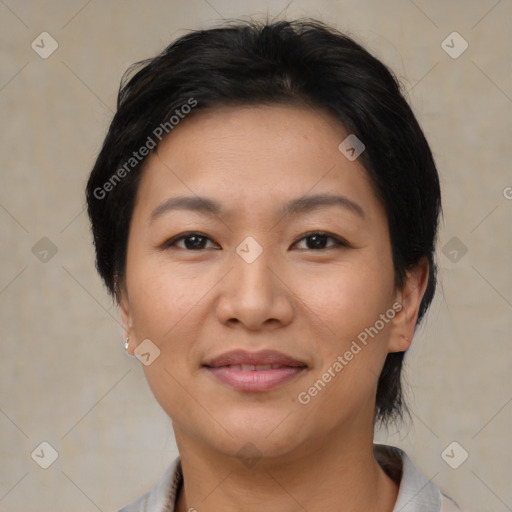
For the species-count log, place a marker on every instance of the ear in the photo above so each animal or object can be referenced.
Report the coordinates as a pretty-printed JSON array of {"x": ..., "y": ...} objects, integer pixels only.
[
  {"x": 127, "y": 320},
  {"x": 409, "y": 296}
]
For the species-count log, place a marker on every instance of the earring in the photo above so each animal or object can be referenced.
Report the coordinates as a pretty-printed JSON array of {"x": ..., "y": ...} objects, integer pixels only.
[{"x": 126, "y": 344}]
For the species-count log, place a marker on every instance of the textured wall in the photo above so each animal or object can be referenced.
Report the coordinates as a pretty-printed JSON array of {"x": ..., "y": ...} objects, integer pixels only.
[{"x": 65, "y": 379}]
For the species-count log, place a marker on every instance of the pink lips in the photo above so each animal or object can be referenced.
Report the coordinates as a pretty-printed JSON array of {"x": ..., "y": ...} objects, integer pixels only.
[{"x": 254, "y": 371}]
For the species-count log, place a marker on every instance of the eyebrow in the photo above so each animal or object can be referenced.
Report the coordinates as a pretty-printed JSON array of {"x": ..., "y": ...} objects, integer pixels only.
[{"x": 297, "y": 206}]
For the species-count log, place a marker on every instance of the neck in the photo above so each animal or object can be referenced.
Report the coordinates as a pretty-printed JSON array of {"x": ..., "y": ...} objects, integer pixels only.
[{"x": 340, "y": 473}]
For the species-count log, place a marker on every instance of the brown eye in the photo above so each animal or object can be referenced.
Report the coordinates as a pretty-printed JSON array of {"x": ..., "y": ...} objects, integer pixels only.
[
  {"x": 319, "y": 240},
  {"x": 189, "y": 241}
]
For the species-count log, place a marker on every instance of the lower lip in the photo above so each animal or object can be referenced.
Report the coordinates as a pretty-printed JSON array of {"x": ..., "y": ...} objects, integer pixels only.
[{"x": 255, "y": 380}]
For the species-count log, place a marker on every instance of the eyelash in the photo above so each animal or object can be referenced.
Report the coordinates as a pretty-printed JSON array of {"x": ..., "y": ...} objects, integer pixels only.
[{"x": 338, "y": 241}]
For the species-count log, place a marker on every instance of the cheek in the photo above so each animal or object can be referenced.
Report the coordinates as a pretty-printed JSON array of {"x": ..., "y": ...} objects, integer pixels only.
[
  {"x": 350, "y": 297},
  {"x": 163, "y": 305},
  {"x": 167, "y": 305},
  {"x": 164, "y": 295}
]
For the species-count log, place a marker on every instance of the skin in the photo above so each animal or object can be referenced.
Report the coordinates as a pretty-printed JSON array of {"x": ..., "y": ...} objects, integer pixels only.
[{"x": 305, "y": 301}]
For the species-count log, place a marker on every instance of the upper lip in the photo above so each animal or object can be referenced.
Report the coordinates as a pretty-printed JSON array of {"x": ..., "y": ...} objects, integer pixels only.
[{"x": 263, "y": 357}]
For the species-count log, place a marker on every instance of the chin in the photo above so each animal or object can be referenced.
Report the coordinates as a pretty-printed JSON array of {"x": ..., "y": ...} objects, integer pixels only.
[{"x": 269, "y": 433}]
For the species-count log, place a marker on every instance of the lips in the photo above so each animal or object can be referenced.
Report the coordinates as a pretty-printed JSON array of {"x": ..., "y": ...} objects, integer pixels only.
[
  {"x": 262, "y": 358},
  {"x": 254, "y": 371},
  {"x": 254, "y": 367}
]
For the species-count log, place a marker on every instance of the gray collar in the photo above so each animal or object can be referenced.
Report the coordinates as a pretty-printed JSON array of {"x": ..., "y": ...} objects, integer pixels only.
[{"x": 416, "y": 493}]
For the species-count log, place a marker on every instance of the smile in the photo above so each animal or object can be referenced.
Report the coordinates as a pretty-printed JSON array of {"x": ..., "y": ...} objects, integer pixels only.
[{"x": 254, "y": 371}]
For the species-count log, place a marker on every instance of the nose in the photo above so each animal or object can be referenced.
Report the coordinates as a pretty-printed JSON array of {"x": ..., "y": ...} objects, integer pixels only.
[{"x": 255, "y": 296}]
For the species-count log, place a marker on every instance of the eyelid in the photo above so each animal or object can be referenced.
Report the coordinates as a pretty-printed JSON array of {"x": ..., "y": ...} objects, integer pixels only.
[
  {"x": 171, "y": 242},
  {"x": 339, "y": 241}
]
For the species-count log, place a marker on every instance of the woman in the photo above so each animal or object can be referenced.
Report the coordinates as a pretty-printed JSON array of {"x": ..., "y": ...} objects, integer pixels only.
[{"x": 264, "y": 211}]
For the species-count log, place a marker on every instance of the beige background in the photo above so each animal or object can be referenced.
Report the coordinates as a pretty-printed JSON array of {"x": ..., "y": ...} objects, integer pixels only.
[{"x": 64, "y": 376}]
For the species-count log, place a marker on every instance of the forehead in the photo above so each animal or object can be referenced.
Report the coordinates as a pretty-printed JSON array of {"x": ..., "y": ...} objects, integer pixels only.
[{"x": 253, "y": 155}]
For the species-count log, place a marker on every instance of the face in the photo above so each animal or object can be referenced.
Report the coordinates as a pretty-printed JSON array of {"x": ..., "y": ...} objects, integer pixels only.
[{"x": 259, "y": 268}]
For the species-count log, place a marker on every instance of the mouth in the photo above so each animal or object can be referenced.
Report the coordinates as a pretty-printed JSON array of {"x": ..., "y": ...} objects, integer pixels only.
[{"x": 254, "y": 371}]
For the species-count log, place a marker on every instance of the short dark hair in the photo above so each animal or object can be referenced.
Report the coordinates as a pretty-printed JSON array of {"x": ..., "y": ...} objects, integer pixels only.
[{"x": 301, "y": 62}]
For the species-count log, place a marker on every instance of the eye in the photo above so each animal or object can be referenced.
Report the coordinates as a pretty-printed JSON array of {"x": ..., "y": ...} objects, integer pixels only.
[
  {"x": 196, "y": 241},
  {"x": 317, "y": 241},
  {"x": 192, "y": 241}
]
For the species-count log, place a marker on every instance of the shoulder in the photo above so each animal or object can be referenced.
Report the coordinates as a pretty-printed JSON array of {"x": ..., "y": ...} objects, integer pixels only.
[
  {"x": 162, "y": 497},
  {"x": 416, "y": 493},
  {"x": 448, "y": 505}
]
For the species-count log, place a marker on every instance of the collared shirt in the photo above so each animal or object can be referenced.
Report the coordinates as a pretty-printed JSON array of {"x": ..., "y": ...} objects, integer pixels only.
[{"x": 416, "y": 493}]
